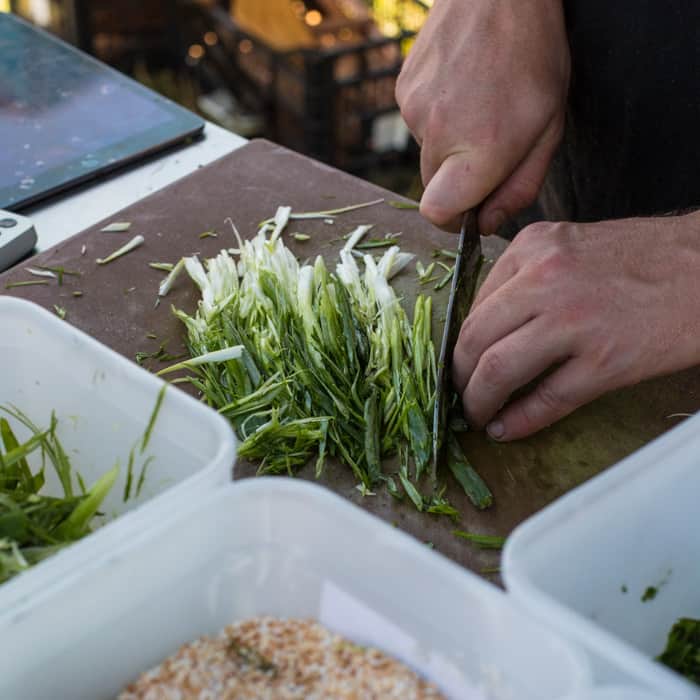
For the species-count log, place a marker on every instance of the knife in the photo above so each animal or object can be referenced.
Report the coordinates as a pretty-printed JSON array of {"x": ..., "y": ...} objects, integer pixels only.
[{"x": 464, "y": 279}]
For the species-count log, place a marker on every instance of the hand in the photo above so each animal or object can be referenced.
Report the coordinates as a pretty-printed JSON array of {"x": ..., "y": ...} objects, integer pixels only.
[
  {"x": 597, "y": 306},
  {"x": 483, "y": 91}
]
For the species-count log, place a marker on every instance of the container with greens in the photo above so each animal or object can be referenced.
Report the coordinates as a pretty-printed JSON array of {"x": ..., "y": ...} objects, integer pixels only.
[
  {"x": 91, "y": 448},
  {"x": 614, "y": 565}
]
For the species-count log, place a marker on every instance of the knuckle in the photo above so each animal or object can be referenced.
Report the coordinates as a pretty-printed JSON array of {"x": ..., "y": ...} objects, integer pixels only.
[
  {"x": 465, "y": 331},
  {"x": 552, "y": 399},
  {"x": 520, "y": 193},
  {"x": 536, "y": 231},
  {"x": 436, "y": 121},
  {"x": 493, "y": 368},
  {"x": 551, "y": 267},
  {"x": 409, "y": 112}
]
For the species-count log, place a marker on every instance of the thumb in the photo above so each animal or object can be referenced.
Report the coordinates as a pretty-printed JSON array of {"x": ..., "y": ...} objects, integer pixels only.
[{"x": 458, "y": 185}]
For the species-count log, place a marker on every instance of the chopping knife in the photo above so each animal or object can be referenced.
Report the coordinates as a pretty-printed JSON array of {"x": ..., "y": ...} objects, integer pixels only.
[{"x": 464, "y": 278}]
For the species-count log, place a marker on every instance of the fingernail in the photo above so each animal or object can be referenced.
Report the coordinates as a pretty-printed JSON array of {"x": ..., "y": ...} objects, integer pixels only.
[
  {"x": 496, "y": 429},
  {"x": 494, "y": 221}
]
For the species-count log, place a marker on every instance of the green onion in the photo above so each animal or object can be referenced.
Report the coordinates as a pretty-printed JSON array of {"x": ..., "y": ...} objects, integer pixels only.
[
  {"x": 682, "y": 653},
  {"x": 28, "y": 283},
  {"x": 116, "y": 227},
  {"x": 475, "y": 488},
  {"x": 40, "y": 273},
  {"x": 128, "y": 247},
  {"x": 324, "y": 214},
  {"x": 402, "y": 205},
  {"x": 34, "y": 526},
  {"x": 481, "y": 541},
  {"x": 296, "y": 356},
  {"x": 169, "y": 281},
  {"x": 59, "y": 272}
]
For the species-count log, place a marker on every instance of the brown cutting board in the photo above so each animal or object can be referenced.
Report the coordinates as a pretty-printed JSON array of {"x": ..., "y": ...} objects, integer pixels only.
[{"x": 118, "y": 307}]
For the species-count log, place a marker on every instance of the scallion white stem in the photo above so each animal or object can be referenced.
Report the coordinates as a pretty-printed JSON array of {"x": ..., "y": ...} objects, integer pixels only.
[
  {"x": 356, "y": 236},
  {"x": 135, "y": 242},
  {"x": 169, "y": 281},
  {"x": 224, "y": 355}
]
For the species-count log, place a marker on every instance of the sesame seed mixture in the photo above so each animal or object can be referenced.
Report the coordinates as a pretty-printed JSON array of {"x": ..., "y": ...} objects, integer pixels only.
[{"x": 268, "y": 658}]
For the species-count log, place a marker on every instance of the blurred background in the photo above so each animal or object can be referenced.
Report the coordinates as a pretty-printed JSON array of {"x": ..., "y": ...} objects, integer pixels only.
[{"x": 317, "y": 76}]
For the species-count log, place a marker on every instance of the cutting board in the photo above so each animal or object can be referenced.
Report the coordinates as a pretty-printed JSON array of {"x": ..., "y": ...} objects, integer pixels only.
[{"x": 118, "y": 307}]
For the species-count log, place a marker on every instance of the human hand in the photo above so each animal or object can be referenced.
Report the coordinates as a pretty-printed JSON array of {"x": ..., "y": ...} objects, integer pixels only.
[
  {"x": 597, "y": 306},
  {"x": 483, "y": 91}
]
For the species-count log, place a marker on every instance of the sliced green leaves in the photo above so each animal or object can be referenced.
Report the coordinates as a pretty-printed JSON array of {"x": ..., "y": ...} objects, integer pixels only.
[
  {"x": 310, "y": 362},
  {"x": 32, "y": 525}
]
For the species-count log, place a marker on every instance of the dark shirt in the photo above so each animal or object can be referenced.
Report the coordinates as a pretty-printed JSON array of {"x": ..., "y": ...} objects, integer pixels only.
[{"x": 632, "y": 139}]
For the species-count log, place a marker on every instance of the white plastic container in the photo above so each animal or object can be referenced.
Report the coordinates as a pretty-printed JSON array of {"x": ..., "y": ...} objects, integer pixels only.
[
  {"x": 103, "y": 403},
  {"x": 584, "y": 563},
  {"x": 617, "y": 692},
  {"x": 285, "y": 548}
]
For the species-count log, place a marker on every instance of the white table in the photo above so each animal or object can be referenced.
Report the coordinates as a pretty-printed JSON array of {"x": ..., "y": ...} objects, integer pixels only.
[{"x": 71, "y": 212}]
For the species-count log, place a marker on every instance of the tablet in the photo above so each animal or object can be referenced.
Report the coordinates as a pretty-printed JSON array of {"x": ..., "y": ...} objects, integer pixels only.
[{"x": 66, "y": 118}]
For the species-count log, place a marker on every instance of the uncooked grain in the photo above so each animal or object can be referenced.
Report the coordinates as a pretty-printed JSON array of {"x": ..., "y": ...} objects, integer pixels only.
[{"x": 268, "y": 658}]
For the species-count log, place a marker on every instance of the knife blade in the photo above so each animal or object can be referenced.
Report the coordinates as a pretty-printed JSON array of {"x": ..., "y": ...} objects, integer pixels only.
[{"x": 464, "y": 279}]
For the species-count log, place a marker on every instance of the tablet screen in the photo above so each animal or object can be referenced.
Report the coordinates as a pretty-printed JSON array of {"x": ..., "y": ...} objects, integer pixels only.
[{"x": 65, "y": 117}]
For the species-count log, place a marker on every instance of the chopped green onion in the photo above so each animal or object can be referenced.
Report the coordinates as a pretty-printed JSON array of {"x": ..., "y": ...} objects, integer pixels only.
[
  {"x": 117, "y": 227},
  {"x": 316, "y": 362},
  {"x": 60, "y": 311},
  {"x": 402, "y": 205},
  {"x": 152, "y": 418},
  {"x": 167, "y": 284},
  {"x": 445, "y": 280},
  {"x": 133, "y": 243},
  {"x": 60, "y": 272},
  {"x": 473, "y": 485},
  {"x": 481, "y": 541},
  {"x": 28, "y": 283},
  {"x": 223, "y": 355},
  {"x": 163, "y": 267},
  {"x": 324, "y": 214},
  {"x": 40, "y": 273},
  {"x": 356, "y": 236},
  {"x": 682, "y": 652}
]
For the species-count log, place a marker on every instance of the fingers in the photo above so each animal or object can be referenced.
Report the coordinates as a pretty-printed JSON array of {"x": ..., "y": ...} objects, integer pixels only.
[
  {"x": 487, "y": 324},
  {"x": 521, "y": 188},
  {"x": 510, "y": 363},
  {"x": 558, "y": 394}
]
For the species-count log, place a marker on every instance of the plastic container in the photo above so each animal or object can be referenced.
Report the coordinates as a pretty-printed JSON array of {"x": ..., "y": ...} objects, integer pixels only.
[
  {"x": 285, "y": 548},
  {"x": 617, "y": 692},
  {"x": 584, "y": 563},
  {"x": 103, "y": 403}
]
